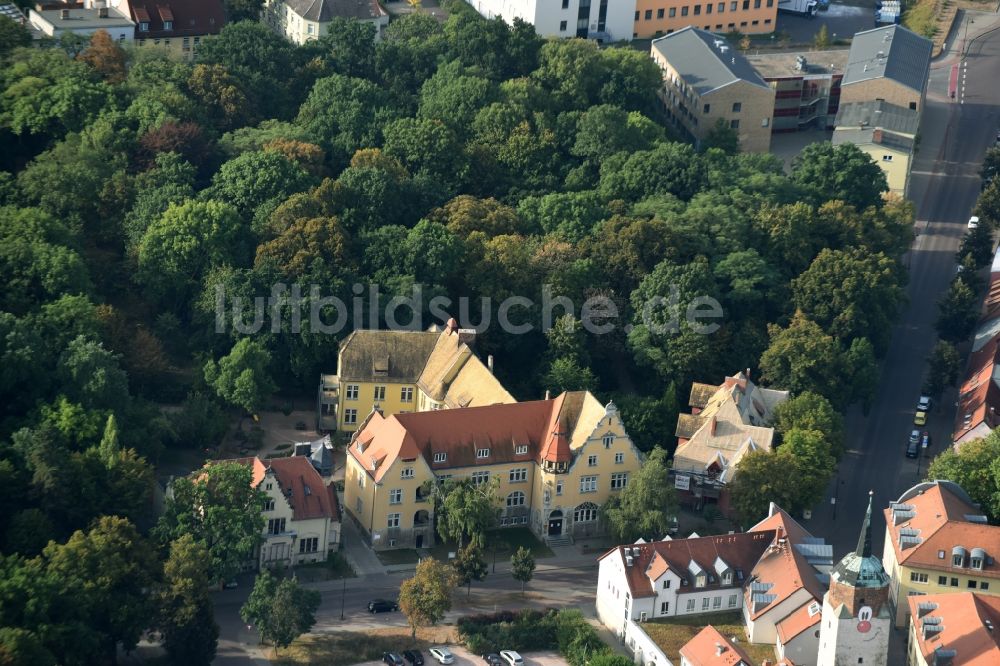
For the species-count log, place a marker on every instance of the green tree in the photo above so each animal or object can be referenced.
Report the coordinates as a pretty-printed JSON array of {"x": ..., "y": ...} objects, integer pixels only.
[
  {"x": 811, "y": 448},
  {"x": 200, "y": 423},
  {"x": 667, "y": 168},
  {"x": 467, "y": 510},
  {"x": 92, "y": 377},
  {"x": 943, "y": 366},
  {"x": 454, "y": 95},
  {"x": 566, "y": 374},
  {"x": 426, "y": 597},
  {"x": 253, "y": 179},
  {"x": 851, "y": 294},
  {"x": 766, "y": 477},
  {"x": 978, "y": 244},
  {"x": 522, "y": 566},
  {"x": 958, "y": 313},
  {"x": 345, "y": 114},
  {"x": 811, "y": 411},
  {"x": 801, "y": 357},
  {"x": 12, "y": 35},
  {"x": 974, "y": 467},
  {"x": 242, "y": 377},
  {"x": 241, "y": 10},
  {"x": 471, "y": 564},
  {"x": 221, "y": 509},
  {"x": 573, "y": 70},
  {"x": 110, "y": 448},
  {"x": 647, "y": 506},
  {"x": 106, "y": 573},
  {"x": 840, "y": 172},
  {"x": 186, "y": 618},
  {"x": 282, "y": 611},
  {"x": 722, "y": 137}
]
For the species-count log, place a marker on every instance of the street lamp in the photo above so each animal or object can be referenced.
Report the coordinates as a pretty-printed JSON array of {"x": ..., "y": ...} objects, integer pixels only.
[{"x": 343, "y": 593}]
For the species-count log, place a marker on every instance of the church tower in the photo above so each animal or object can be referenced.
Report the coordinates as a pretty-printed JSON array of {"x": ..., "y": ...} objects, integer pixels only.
[{"x": 856, "y": 617}]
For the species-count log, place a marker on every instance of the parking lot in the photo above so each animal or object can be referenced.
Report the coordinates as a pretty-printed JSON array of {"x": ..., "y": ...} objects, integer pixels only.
[
  {"x": 842, "y": 20},
  {"x": 464, "y": 658}
]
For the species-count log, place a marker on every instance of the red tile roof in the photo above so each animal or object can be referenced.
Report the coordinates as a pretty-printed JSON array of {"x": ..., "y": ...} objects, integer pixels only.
[
  {"x": 978, "y": 392},
  {"x": 190, "y": 17},
  {"x": 939, "y": 521},
  {"x": 969, "y": 625},
  {"x": 739, "y": 551},
  {"x": 299, "y": 482},
  {"x": 798, "y": 621},
  {"x": 544, "y": 426},
  {"x": 711, "y": 648}
]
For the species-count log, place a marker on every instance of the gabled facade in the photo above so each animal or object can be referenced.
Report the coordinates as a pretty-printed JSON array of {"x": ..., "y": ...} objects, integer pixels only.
[
  {"x": 890, "y": 64},
  {"x": 557, "y": 462},
  {"x": 961, "y": 629},
  {"x": 711, "y": 648},
  {"x": 726, "y": 423},
  {"x": 302, "y": 515},
  {"x": 399, "y": 372},
  {"x": 705, "y": 80},
  {"x": 301, "y": 21},
  {"x": 936, "y": 542},
  {"x": 54, "y": 20},
  {"x": 885, "y": 132}
]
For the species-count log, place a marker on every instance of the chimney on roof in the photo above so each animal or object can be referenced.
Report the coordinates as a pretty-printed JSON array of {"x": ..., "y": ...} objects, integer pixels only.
[
  {"x": 719, "y": 649},
  {"x": 451, "y": 326},
  {"x": 63, "y": 14},
  {"x": 711, "y": 426},
  {"x": 102, "y": 12},
  {"x": 877, "y": 135},
  {"x": 489, "y": 363},
  {"x": 547, "y": 395}
]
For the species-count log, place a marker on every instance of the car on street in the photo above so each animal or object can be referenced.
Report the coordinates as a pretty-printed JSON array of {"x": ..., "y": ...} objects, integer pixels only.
[
  {"x": 920, "y": 418},
  {"x": 442, "y": 655},
  {"x": 493, "y": 659},
  {"x": 511, "y": 657},
  {"x": 414, "y": 657},
  {"x": 913, "y": 444},
  {"x": 974, "y": 222},
  {"x": 382, "y": 606},
  {"x": 924, "y": 404},
  {"x": 392, "y": 659},
  {"x": 925, "y": 441}
]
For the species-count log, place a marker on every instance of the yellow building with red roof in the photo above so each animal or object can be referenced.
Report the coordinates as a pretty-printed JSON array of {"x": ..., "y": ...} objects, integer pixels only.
[{"x": 954, "y": 629}]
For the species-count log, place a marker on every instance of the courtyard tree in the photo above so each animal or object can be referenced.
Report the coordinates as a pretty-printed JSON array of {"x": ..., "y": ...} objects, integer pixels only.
[
  {"x": 467, "y": 509},
  {"x": 281, "y": 609},
  {"x": 426, "y": 597},
  {"x": 470, "y": 564},
  {"x": 647, "y": 505}
]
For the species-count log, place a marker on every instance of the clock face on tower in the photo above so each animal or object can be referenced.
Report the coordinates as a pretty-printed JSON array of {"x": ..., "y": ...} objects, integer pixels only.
[{"x": 864, "y": 619}]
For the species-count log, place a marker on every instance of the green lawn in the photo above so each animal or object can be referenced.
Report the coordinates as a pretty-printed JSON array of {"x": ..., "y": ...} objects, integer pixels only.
[
  {"x": 506, "y": 540},
  {"x": 671, "y": 634},
  {"x": 334, "y": 568}
]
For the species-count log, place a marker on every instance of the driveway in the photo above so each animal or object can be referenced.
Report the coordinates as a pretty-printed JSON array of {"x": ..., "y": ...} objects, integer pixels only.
[{"x": 464, "y": 658}]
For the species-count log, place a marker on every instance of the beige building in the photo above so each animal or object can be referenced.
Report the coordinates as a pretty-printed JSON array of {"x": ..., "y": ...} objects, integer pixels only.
[
  {"x": 726, "y": 423},
  {"x": 706, "y": 81},
  {"x": 178, "y": 27},
  {"x": 938, "y": 542},
  {"x": 300, "y": 21},
  {"x": 302, "y": 514},
  {"x": 885, "y": 132},
  {"x": 557, "y": 461},
  {"x": 954, "y": 629},
  {"x": 889, "y": 64},
  {"x": 400, "y": 372}
]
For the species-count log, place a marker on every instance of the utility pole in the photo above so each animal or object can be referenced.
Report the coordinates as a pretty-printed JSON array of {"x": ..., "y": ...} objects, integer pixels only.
[{"x": 343, "y": 593}]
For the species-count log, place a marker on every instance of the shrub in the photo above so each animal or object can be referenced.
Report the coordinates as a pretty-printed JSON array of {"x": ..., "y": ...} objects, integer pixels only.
[{"x": 526, "y": 630}]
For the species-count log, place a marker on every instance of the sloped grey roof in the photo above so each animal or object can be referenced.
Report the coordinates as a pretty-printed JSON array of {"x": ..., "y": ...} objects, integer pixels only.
[
  {"x": 878, "y": 114},
  {"x": 323, "y": 11},
  {"x": 905, "y": 57},
  {"x": 703, "y": 65},
  {"x": 860, "y": 137},
  {"x": 393, "y": 356}
]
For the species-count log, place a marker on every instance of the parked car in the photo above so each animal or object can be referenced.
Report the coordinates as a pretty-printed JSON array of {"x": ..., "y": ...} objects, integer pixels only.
[
  {"x": 230, "y": 585},
  {"x": 442, "y": 655},
  {"x": 920, "y": 418},
  {"x": 414, "y": 657},
  {"x": 973, "y": 222},
  {"x": 493, "y": 659},
  {"x": 912, "y": 446},
  {"x": 924, "y": 404},
  {"x": 511, "y": 657},
  {"x": 382, "y": 606},
  {"x": 392, "y": 659},
  {"x": 925, "y": 441}
]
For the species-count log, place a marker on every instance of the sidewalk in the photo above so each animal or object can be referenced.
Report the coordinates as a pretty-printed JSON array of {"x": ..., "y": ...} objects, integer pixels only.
[{"x": 357, "y": 553}]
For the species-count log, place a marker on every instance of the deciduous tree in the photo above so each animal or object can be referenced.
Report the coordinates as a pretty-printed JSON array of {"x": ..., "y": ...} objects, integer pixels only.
[
  {"x": 841, "y": 172},
  {"x": 647, "y": 505},
  {"x": 470, "y": 564},
  {"x": 958, "y": 312},
  {"x": 801, "y": 357},
  {"x": 522, "y": 566},
  {"x": 426, "y": 597},
  {"x": 975, "y": 467},
  {"x": 242, "y": 378},
  {"x": 943, "y": 366},
  {"x": 281, "y": 609},
  {"x": 185, "y": 617},
  {"x": 105, "y": 57},
  {"x": 467, "y": 510}
]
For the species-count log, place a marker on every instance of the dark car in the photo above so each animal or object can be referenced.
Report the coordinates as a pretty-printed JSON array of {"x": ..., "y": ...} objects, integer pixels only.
[
  {"x": 414, "y": 657},
  {"x": 382, "y": 606},
  {"x": 493, "y": 659},
  {"x": 392, "y": 659},
  {"x": 912, "y": 448}
]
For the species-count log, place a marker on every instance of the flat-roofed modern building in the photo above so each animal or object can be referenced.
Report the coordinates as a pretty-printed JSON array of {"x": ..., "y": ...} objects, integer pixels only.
[{"x": 806, "y": 87}]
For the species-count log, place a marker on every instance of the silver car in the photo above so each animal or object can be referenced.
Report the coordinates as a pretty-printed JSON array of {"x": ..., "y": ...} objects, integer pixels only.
[{"x": 442, "y": 655}]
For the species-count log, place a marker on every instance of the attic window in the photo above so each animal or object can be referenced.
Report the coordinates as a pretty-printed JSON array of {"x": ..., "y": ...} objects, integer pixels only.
[
  {"x": 482, "y": 453},
  {"x": 440, "y": 457},
  {"x": 699, "y": 581},
  {"x": 143, "y": 26},
  {"x": 608, "y": 441},
  {"x": 520, "y": 449}
]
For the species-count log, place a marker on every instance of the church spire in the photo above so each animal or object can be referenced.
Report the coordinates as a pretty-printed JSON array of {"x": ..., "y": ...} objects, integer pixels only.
[{"x": 864, "y": 548}]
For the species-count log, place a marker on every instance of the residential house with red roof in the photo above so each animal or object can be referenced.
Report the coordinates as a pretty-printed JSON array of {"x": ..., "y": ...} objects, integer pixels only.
[
  {"x": 774, "y": 574},
  {"x": 937, "y": 541},
  {"x": 979, "y": 392},
  {"x": 726, "y": 423},
  {"x": 711, "y": 648},
  {"x": 961, "y": 629},
  {"x": 178, "y": 26},
  {"x": 302, "y": 514},
  {"x": 556, "y": 461}
]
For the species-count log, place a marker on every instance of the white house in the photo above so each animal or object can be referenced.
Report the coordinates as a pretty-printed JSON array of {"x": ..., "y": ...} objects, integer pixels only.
[
  {"x": 300, "y": 21},
  {"x": 774, "y": 574},
  {"x": 609, "y": 21},
  {"x": 302, "y": 514},
  {"x": 94, "y": 15}
]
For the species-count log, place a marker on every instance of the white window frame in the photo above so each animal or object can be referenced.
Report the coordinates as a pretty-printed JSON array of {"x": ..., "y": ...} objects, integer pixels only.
[
  {"x": 392, "y": 520},
  {"x": 350, "y": 416},
  {"x": 479, "y": 478},
  {"x": 406, "y": 394},
  {"x": 407, "y": 473},
  {"x": 608, "y": 441},
  {"x": 518, "y": 475},
  {"x": 520, "y": 449},
  {"x": 619, "y": 458},
  {"x": 351, "y": 392},
  {"x": 619, "y": 480},
  {"x": 515, "y": 498},
  {"x": 588, "y": 484},
  {"x": 441, "y": 456},
  {"x": 396, "y": 496},
  {"x": 380, "y": 393},
  {"x": 482, "y": 453},
  {"x": 591, "y": 461},
  {"x": 690, "y": 605}
]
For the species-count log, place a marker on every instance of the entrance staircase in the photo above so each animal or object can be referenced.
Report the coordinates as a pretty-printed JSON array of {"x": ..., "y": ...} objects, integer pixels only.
[{"x": 564, "y": 540}]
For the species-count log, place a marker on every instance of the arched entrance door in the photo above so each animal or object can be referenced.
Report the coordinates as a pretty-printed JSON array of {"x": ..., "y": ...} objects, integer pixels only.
[{"x": 555, "y": 523}]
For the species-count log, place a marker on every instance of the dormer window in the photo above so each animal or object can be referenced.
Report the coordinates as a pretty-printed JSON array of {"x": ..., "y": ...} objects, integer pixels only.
[
  {"x": 958, "y": 556},
  {"x": 699, "y": 581},
  {"x": 482, "y": 453},
  {"x": 168, "y": 25},
  {"x": 440, "y": 457},
  {"x": 520, "y": 449},
  {"x": 143, "y": 26},
  {"x": 976, "y": 558},
  {"x": 727, "y": 578}
]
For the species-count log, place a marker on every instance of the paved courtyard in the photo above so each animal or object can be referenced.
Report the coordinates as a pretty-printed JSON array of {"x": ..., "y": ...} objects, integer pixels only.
[
  {"x": 788, "y": 146},
  {"x": 842, "y": 20}
]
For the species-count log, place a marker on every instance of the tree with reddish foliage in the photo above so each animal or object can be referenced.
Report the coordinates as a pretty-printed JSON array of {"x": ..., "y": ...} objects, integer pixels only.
[
  {"x": 309, "y": 156},
  {"x": 185, "y": 139},
  {"x": 106, "y": 57}
]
